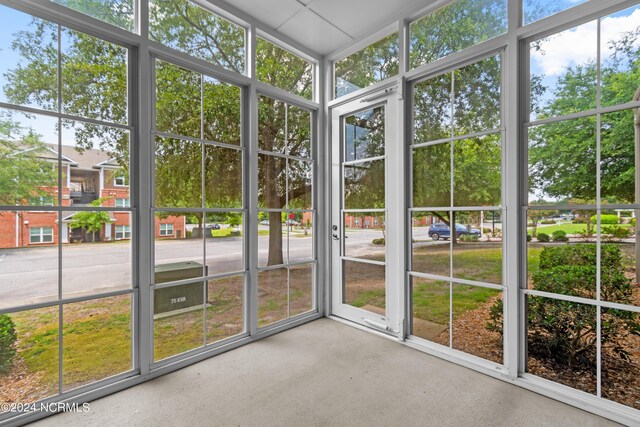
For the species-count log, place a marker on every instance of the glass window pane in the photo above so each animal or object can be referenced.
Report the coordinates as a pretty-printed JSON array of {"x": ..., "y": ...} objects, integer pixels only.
[
  {"x": 431, "y": 248},
  {"x": 222, "y": 177},
  {"x": 618, "y": 145},
  {"x": 476, "y": 254},
  {"x": 96, "y": 340},
  {"x": 28, "y": 249},
  {"x": 221, "y": 115},
  {"x": 272, "y": 182},
  {"x": 225, "y": 308},
  {"x": 364, "y": 185},
  {"x": 178, "y": 173},
  {"x": 178, "y": 323},
  {"x": 283, "y": 69},
  {"x": 535, "y": 10},
  {"x": 619, "y": 52},
  {"x": 556, "y": 266},
  {"x": 477, "y": 313},
  {"x": 184, "y": 26},
  {"x": 364, "y": 286},
  {"x": 96, "y": 159},
  {"x": 298, "y": 132},
  {"x": 619, "y": 272},
  {"x": 432, "y": 175},
  {"x": 432, "y": 109},
  {"x": 374, "y": 63},
  {"x": 272, "y": 238},
  {"x": 273, "y": 297},
  {"x": 300, "y": 236},
  {"x": 32, "y": 373},
  {"x": 179, "y": 247},
  {"x": 299, "y": 182},
  {"x": 28, "y": 71},
  {"x": 116, "y": 12},
  {"x": 224, "y": 242},
  {"x": 477, "y": 171},
  {"x": 562, "y": 162},
  {"x": 469, "y": 21},
  {"x": 477, "y": 97},
  {"x": 301, "y": 289},
  {"x": 90, "y": 264},
  {"x": 29, "y": 159},
  {"x": 94, "y": 77},
  {"x": 430, "y": 309},
  {"x": 620, "y": 357},
  {"x": 563, "y": 72},
  {"x": 272, "y": 124},
  {"x": 364, "y": 235},
  {"x": 364, "y": 135},
  {"x": 560, "y": 343},
  {"x": 178, "y": 100}
]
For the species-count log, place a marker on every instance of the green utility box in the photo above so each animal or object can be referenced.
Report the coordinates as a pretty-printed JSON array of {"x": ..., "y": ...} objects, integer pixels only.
[{"x": 178, "y": 297}]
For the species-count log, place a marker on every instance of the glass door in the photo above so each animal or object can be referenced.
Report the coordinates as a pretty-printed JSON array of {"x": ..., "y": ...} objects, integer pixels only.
[{"x": 361, "y": 238}]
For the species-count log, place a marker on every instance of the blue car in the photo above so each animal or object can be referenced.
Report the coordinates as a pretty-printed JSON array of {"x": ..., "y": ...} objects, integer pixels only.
[{"x": 440, "y": 230}]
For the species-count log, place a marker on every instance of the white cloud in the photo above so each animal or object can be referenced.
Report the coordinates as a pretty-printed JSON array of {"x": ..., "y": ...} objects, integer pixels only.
[{"x": 578, "y": 45}]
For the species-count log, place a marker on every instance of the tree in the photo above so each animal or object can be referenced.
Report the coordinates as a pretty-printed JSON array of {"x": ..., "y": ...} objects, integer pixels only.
[
  {"x": 91, "y": 221},
  {"x": 562, "y": 155},
  {"x": 23, "y": 174}
]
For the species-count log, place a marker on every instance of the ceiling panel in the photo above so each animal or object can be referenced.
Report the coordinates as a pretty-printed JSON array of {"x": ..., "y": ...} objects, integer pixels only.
[
  {"x": 310, "y": 30},
  {"x": 359, "y": 17},
  {"x": 273, "y": 13}
]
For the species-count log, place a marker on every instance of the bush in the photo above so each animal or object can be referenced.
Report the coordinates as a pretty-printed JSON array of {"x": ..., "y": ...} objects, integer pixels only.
[
  {"x": 605, "y": 219},
  {"x": 617, "y": 232},
  {"x": 579, "y": 221},
  {"x": 469, "y": 238},
  {"x": 379, "y": 241},
  {"x": 547, "y": 222},
  {"x": 632, "y": 221},
  {"x": 559, "y": 236},
  {"x": 8, "y": 339},
  {"x": 528, "y": 237},
  {"x": 543, "y": 237},
  {"x": 564, "y": 331}
]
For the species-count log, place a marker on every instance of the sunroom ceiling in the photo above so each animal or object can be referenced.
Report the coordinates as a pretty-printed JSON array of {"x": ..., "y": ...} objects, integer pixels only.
[{"x": 325, "y": 25}]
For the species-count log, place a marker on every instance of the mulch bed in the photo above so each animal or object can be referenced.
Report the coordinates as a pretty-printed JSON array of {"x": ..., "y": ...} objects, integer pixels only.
[{"x": 26, "y": 387}]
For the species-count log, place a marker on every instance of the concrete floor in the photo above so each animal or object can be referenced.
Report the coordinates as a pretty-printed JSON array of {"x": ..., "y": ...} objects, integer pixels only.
[{"x": 323, "y": 374}]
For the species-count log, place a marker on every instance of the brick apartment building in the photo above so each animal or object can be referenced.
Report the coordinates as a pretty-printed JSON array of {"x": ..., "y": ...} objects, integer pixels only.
[{"x": 87, "y": 175}]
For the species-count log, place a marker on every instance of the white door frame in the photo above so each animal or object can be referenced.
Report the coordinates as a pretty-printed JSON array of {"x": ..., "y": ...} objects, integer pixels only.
[{"x": 393, "y": 322}]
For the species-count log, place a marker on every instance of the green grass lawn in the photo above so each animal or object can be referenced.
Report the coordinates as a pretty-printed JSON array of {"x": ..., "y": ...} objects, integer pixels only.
[{"x": 568, "y": 228}]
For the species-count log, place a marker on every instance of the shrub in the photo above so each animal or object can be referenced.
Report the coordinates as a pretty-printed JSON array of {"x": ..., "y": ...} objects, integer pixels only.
[
  {"x": 559, "y": 236},
  {"x": 579, "y": 221},
  {"x": 379, "y": 241},
  {"x": 469, "y": 238},
  {"x": 605, "y": 219},
  {"x": 632, "y": 221},
  {"x": 528, "y": 237},
  {"x": 617, "y": 232},
  {"x": 547, "y": 222},
  {"x": 8, "y": 339},
  {"x": 543, "y": 237},
  {"x": 564, "y": 331}
]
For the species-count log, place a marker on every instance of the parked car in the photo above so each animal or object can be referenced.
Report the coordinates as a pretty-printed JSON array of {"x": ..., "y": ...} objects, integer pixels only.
[
  {"x": 215, "y": 226},
  {"x": 264, "y": 222},
  {"x": 293, "y": 222},
  {"x": 440, "y": 230}
]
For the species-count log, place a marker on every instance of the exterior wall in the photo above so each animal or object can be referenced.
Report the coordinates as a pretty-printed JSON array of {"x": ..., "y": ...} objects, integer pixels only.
[
  {"x": 26, "y": 221},
  {"x": 179, "y": 227},
  {"x": 351, "y": 221}
]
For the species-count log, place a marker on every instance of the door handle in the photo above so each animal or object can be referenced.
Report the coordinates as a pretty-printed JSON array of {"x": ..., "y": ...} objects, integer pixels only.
[{"x": 335, "y": 236}]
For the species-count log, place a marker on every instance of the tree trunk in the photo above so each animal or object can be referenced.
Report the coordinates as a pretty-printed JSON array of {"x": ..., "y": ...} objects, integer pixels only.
[
  {"x": 275, "y": 239},
  {"x": 453, "y": 230}
]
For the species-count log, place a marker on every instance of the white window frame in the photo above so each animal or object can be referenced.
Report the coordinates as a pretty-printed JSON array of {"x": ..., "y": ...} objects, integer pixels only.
[
  {"x": 166, "y": 229},
  {"x": 120, "y": 178},
  {"x": 122, "y": 202},
  {"x": 40, "y": 235},
  {"x": 124, "y": 231}
]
